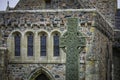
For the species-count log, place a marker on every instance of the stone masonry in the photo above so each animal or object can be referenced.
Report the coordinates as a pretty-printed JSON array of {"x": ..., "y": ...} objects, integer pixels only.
[{"x": 95, "y": 22}]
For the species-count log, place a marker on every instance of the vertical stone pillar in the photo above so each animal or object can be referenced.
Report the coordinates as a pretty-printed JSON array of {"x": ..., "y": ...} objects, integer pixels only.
[
  {"x": 36, "y": 47},
  {"x": 23, "y": 48},
  {"x": 50, "y": 48}
]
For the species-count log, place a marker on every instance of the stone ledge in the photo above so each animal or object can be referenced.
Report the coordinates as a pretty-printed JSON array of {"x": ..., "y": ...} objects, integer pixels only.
[
  {"x": 34, "y": 62},
  {"x": 51, "y": 10}
]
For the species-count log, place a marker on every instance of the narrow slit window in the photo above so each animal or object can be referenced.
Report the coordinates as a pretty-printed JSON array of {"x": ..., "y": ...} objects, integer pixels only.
[
  {"x": 17, "y": 44},
  {"x": 56, "y": 45},
  {"x": 43, "y": 45},
  {"x": 30, "y": 44}
]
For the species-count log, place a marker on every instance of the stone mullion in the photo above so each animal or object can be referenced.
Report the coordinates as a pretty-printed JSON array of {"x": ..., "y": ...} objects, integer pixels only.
[
  {"x": 23, "y": 49},
  {"x": 36, "y": 47},
  {"x": 50, "y": 48}
]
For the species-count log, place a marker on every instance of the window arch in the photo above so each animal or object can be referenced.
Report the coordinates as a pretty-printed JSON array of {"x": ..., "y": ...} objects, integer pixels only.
[
  {"x": 17, "y": 42},
  {"x": 43, "y": 44},
  {"x": 56, "y": 49},
  {"x": 30, "y": 44}
]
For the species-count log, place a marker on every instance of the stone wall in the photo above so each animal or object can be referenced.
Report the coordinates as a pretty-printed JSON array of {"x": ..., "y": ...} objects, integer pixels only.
[
  {"x": 22, "y": 71},
  {"x": 106, "y": 7},
  {"x": 3, "y": 63},
  {"x": 98, "y": 57},
  {"x": 93, "y": 59},
  {"x": 19, "y": 68},
  {"x": 50, "y": 21}
]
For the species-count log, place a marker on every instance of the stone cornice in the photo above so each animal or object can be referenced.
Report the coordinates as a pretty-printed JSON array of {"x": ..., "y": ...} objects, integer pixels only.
[{"x": 50, "y": 10}]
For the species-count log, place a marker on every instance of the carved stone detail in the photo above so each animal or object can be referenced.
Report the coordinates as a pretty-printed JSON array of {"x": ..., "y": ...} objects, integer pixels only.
[{"x": 72, "y": 42}]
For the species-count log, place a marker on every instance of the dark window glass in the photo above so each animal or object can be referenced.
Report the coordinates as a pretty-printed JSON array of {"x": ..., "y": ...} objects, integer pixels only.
[
  {"x": 43, "y": 45},
  {"x": 56, "y": 45},
  {"x": 17, "y": 44},
  {"x": 48, "y": 1},
  {"x": 30, "y": 45}
]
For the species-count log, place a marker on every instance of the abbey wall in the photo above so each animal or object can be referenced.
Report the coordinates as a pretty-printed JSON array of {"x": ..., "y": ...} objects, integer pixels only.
[
  {"x": 50, "y": 22},
  {"x": 95, "y": 23}
]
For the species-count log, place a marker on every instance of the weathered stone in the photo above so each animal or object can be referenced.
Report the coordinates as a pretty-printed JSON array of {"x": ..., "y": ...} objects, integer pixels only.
[
  {"x": 94, "y": 22},
  {"x": 72, "y": 43}
]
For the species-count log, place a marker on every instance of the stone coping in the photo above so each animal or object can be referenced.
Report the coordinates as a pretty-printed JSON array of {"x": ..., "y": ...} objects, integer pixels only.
[
  {"x": 35, "y": 62},
  {"x": 51, "y": 10}
]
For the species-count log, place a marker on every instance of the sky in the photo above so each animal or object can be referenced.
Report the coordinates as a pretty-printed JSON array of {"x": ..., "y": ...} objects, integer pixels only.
[
  {"x": 12, "y": 3},
  {"x": 3, "y": 4}
]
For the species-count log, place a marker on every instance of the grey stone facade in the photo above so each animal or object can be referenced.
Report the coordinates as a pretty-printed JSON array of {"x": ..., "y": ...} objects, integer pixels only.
[{"x": 96, "y": 23}]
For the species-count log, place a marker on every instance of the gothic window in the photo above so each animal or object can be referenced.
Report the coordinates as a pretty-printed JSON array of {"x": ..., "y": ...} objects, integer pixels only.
[
  {"x": 43, "y": 45},
  {"x": 56, "y": 44},
  {"x": 30, "y": 44},
  {"x": 17, "y": 44}
]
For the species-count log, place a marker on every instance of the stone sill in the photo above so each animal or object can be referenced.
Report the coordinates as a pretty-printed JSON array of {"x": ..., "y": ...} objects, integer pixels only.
[{"x": 36, "y": 62}]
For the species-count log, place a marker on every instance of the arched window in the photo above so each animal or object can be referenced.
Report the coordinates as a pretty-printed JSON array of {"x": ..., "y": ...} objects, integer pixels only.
[
  {"x": 43, "y": 45},
  {"x": 30, "y": 44},
  {"x": 56, "y": 44},
  {"x": 17, "y": 40}
]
